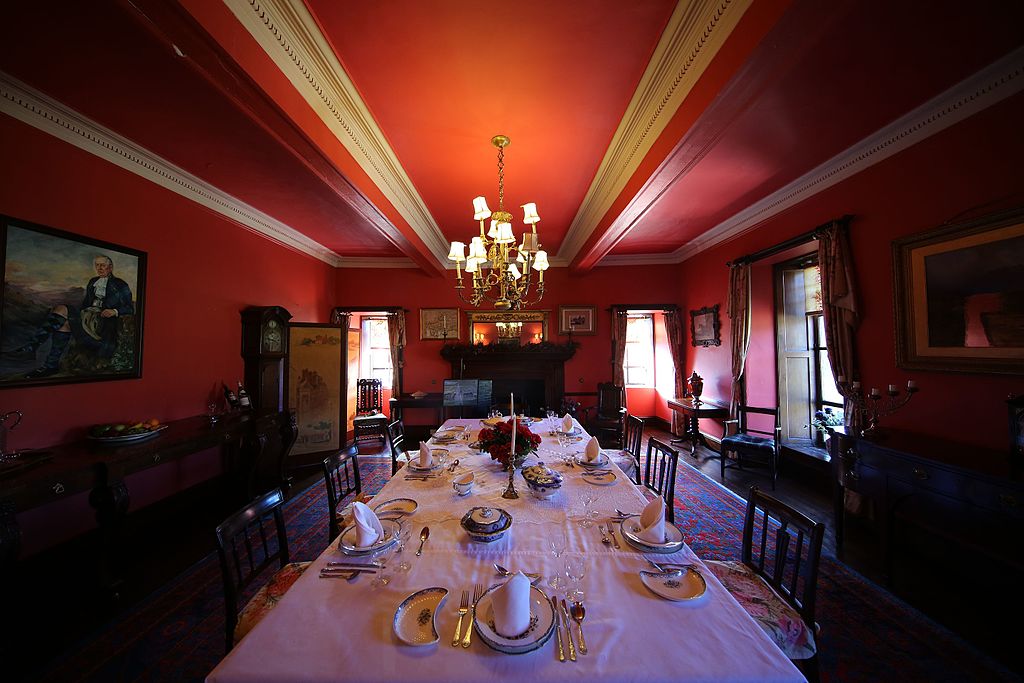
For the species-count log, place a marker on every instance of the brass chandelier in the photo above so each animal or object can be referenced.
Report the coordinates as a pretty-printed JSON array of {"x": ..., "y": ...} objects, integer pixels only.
[{"x": 501, "y": 270}]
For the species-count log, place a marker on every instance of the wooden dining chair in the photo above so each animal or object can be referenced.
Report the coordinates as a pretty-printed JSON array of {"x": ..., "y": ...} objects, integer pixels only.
[
  {"x": 633, "y": 440},
  {"x": 659, "y": 473},
  {"x": 341, "y": 477},
  {"x": 249, "y": 542},
  {"x": 608, "y": 421},
  {"x": 776, "y": 579},
  {"x": 400, "y": 455},
  {"x": 756, "y": 445},
  {"x": 369, "y": 421}
]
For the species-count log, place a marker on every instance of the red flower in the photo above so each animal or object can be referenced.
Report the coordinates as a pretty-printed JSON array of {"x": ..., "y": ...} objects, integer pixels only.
[{"x": 497, "y": 441}]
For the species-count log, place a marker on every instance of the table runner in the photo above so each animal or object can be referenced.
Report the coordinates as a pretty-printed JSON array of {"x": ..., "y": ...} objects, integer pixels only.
[{"x": 335, "y": 630}]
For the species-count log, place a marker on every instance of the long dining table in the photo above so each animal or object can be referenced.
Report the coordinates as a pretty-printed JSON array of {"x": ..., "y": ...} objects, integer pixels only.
[{"x": 338, "y": 630}]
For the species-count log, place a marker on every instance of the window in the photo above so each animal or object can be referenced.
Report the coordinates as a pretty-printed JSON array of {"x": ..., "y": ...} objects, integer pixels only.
[
  {"x": 375, "y": 351},
  {"x": 639, "y": 362}
]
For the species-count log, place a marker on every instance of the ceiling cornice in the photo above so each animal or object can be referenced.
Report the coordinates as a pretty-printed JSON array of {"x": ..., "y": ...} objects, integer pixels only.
[
  {"x": 994, "y": 83},
  {"x": 692, "y": 38},
  {"x": 291, "y": 37},
  {"x": 39, "y": 111},
  {"x": 376, "y": 262}
]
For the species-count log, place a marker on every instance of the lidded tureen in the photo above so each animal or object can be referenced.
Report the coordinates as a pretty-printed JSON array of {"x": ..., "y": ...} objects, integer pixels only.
[{"x": 542, "y": 480}]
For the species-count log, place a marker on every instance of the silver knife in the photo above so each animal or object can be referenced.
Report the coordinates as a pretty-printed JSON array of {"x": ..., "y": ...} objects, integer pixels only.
[
  {"x": 615, "y": 539},
  {"x": 558, "y": 630},
  {"x": 568, "y": 632}
]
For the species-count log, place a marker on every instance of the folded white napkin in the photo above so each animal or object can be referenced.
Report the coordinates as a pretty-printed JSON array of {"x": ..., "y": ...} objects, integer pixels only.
[
  {"x": 593, "y": 450},
  {"x": 652, "y": 522},
  {"x": 567, "y": 423},
  {"x": 426, "y": 459},
  {"x": 368, "y": 528},
  {"x": 511, "y": 604}
]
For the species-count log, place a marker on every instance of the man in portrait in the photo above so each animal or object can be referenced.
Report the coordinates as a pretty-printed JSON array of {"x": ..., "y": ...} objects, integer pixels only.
[{"x": 93, "y": 324}]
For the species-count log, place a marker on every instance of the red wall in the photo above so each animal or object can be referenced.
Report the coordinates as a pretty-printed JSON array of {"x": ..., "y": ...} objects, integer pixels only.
[
  {"x": 969, "y": 170},
  {"x": 202, "y": 270},
  {"x": 601, "y": 287}
]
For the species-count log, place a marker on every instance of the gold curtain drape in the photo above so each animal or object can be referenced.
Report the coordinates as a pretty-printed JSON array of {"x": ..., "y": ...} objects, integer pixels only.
[
  {"x": 839, "y": 307},
  {"x": 619, "y": 347},
  {"x": 396, "y": 337},
  {"x": 674, "y": 327},
  {"x": 739, "y": 317}
]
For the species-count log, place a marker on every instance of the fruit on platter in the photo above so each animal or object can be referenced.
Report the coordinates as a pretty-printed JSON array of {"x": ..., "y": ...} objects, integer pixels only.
[{"x": 124, "y": 428}]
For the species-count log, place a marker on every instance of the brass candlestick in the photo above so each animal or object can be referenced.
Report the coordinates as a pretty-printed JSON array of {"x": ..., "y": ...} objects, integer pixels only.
[
  {"x": 873, "y": 405},
  {"x": 510, "y": 490}
]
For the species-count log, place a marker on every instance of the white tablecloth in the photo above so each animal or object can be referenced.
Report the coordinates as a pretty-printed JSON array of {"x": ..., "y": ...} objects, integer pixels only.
[{"x": 335, "y": 630}]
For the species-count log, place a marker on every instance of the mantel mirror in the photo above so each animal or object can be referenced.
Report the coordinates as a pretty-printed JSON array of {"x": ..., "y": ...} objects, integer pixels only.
[{"x": 514, "y": 328}]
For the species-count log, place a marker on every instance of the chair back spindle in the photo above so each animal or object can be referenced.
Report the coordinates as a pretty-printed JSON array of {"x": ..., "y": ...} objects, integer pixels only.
[
  {"x": 341, "y": 477},
  {"x": 659, "y": 473}
]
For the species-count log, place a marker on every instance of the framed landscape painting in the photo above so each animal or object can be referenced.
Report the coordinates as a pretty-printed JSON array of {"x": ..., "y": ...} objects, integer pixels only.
[
  {"x": 705, "y": 327},
  {"x": 72, "y": 307},
  {"x": 439, "y": 323},
  {"x": 959, "y": 293},
  {"x": 579, "y": 320},
  {"x": 315, "y": 356}
]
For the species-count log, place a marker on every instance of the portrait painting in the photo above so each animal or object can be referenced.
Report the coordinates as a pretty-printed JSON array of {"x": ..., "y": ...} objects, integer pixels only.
[
  {"x": 578, "y": 320},
  {"x": 315, "y": 356},
  {"x": 960, "y": 297},
  {"x": 704, "y": 327},
  {"x": 439, "y": 323},
  {"x": 72, "y": 307}
]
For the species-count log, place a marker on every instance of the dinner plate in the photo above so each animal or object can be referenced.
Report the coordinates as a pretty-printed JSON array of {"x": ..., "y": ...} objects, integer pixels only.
[
  {"x": 454, "y": 428},
  {"x": 400, "y": 506},
  {"x": 434, "y": 465},
  {"x": 493, "y": 421},
  {"x": 688, "y": 586},
  {"x": 601, "y": 460},
  {"x": 542, "y": 624},
  {"x": 600, "y": 478},
  {"x": 415, "y": 618},
  {"x": 347, "y": 543},
  {"x": 630, "y": 526},
  {"x": 572, "y": 432},
  {"x": 125, "y": 438}
]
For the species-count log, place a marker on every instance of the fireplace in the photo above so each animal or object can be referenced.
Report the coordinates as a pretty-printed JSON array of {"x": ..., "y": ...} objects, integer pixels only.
[{"x": 535, "y": 373}]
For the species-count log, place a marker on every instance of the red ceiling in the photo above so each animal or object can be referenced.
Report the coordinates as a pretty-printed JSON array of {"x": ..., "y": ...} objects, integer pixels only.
[{"x": 800, "y": 82}]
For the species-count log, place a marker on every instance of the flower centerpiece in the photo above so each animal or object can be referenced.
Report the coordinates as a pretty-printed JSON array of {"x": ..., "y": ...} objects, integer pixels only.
[{"x": 509, "y": 443}]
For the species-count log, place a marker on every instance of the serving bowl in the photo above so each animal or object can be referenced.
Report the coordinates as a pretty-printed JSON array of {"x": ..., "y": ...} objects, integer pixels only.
[
  {"x": 486, "y": 524},
  {"x": 542, "y": 481}
]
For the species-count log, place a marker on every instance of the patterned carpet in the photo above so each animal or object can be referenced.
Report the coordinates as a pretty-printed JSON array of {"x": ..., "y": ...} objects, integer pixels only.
[{"x": 177, "y": 634}]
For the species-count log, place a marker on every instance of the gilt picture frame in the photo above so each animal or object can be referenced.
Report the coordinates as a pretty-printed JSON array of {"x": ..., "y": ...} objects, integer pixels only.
[
  {"x": 439, "y": 323},
  {"x": 705, "y": 328},
  {"x": 577, "y": 320},
  {"x": 959, "y": 296},
  {"x": 71, "y": 307},
  {"x": 316, "y": 356}
]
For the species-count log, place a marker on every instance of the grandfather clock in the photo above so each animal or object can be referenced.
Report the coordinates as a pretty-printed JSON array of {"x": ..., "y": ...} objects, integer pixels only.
[{"x": 265, "y": 349}]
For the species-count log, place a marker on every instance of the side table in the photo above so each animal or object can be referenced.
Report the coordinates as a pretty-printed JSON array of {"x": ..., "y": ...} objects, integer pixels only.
[{"x": 692, "y": 410}]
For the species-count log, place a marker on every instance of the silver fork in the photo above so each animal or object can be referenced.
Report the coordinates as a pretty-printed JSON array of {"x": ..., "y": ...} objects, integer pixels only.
[
  {"x": 478, "y": 592},
  {"x": 463, "y": 608}
]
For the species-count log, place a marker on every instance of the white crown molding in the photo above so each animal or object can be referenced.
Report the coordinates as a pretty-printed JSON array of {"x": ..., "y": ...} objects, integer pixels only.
[
  {"x": 994, "y": 83},
  {"x": 376, "y": 262},
  {"x": 291, "y": 38},
  {"x": 692, "y": 38},
  {"x": 32, "y": 107},
  {"x": 639, "y": 260},
  {"x": 987, "y": 87}
]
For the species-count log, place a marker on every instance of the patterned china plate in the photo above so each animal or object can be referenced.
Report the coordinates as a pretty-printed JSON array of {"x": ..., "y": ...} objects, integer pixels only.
[
  {"x": 600, "y": 461},
  {"x": 347, "y": 544},
  {"x": 673, "y": 537},
  {"x": 573, "y": 432},
  {"x": 415, "y": 618},
  {"x": 400, "y": 506},
  {"x": 686, "y": 587},
  {"x": 542, "y": 624},
  {"x": 600, "y": 478},
  {"x": 125, "y": 438}
]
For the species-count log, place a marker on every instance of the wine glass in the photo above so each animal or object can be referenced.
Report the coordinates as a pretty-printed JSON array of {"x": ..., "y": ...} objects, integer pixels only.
[
  {"x": 558, "y": 542},
  {"x": 587, "y": 520},
  {"x": 575, "y": 569},
  {"x": 386, "y": 568},
  {"x": 403, "y": 541}
]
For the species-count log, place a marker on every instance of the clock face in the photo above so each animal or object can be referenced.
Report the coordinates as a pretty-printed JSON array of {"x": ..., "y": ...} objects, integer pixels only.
[{"x": 272, "y": 337}]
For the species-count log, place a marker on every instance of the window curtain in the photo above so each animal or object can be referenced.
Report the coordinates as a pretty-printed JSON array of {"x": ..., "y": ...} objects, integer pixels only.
[
  {"x": 619, "y": 347},
  {"x": 674, "y": 327},
  {"x": 839, "y": 306},
  {"x": 739, "y": 317},
  {"x": 396, "y": 336}
]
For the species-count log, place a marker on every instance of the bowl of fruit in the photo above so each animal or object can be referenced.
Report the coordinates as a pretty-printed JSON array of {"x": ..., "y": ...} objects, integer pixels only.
[{"x": 121, "y": 432}]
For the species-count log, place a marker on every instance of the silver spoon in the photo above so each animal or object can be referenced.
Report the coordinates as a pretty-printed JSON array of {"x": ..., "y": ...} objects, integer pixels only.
[
  {"x": 604, "y": 536},
  {"x": 624, "y": 514},
  {"x": 504, "y": 572},
  {"x": 424, "y": 535},
  {"x": 578, "y": 612}
]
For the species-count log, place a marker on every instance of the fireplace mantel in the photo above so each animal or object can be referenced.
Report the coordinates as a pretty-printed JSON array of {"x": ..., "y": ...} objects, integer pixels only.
[{"x": 513, "y": 363}]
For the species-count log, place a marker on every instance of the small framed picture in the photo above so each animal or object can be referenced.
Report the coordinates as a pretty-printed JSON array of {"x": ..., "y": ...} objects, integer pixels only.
[
  {"x": 704, "y": 327},
  {"x": 439, "y": 323},
  {"x": 580, "y": 320}
]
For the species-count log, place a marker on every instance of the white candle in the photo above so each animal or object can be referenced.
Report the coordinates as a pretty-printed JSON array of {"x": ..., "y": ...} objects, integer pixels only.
[
  {"x": 875, "y": 392},
  {"x": 512, "y": 407},
  {"x": 893, "y": 389},
  {"x": 842, "y": 379},
  {"x": 856, "y": 386},
  {"x": 911, "y": 384}
]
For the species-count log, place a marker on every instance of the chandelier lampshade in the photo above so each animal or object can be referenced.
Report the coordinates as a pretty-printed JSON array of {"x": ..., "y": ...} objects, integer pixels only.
[{"x": 500, "y": 270}]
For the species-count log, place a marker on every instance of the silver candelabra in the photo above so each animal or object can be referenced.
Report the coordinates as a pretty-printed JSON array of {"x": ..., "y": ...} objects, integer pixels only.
[{"x": 873, "y": 405}]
